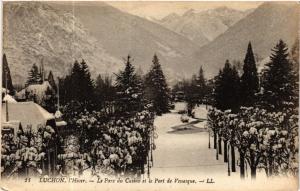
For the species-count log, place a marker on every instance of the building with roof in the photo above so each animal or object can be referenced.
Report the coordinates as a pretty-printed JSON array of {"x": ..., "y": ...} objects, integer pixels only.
[
  {"x": 38, "y": 92},
  {"x": 27, "y": 113}
]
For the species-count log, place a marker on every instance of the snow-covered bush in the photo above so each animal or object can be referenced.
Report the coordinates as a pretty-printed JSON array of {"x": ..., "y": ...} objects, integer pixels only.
[
  {"x": 267, "y": 140},
  {"x": 25, "y": 153},
  {"x": 116, "y": 146}
]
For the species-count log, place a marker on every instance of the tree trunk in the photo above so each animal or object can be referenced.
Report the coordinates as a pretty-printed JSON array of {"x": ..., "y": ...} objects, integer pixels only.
[
  {"x": 270, "y": 167},
  {"x": 225, "y": 151},
  {"x": 217, "y": 150},
  {"x": 215, "y": 140},
  {"x": 242, "y": 165},
  {"x": 49, "y": 164},
  {"x": 209, "y": 139},
  {"x": 232, "y": 159},
  {"x": 220, "y": 145},
  {"x": 253, "y": 172}
]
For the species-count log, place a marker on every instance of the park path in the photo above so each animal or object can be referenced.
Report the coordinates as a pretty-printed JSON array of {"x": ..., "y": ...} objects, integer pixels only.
[{"x": 182, "y": 149}]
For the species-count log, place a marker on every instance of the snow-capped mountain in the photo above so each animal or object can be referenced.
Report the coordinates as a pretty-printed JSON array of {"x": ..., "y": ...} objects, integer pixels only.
[
  {"x": 57, "y": 33},
  {"x": 202, "y": 27},
  {"x": 60, "y": 32},
  {"x": 263, "y": 27},
  {"x": 35, "y": 32}
]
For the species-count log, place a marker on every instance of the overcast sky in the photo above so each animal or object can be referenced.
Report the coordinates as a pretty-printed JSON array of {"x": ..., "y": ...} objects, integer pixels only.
[{"x": 160, "y": 9}]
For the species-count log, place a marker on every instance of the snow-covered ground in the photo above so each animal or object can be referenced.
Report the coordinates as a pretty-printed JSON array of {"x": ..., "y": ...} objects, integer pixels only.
[{"x": 182, "y": 152}]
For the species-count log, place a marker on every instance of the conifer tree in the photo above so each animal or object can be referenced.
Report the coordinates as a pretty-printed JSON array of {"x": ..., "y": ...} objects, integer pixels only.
[
  {"x": 34, "y": 76},
  {"x": 278, "y": 81},
  {"x": 158, "y": 91},
  {"x": 249, "y": 79},
  {"x": 227, "y": 88},
  {"x": 201, "y": 86},
  {"x": 129, "y": 90},
  {"x": 75, "y": 82},
  {"x": 6, "y": 77},
  {"x": 86, "y": 82}
]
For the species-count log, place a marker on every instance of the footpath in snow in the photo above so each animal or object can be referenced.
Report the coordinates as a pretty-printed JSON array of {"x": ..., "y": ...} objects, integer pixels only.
[
  {"x": 182, "y": 153},
  {"x": 182, "y": 149}
]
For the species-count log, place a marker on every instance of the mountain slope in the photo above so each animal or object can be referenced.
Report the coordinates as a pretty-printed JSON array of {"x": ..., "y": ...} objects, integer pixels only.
[
  {"x": 204, "y": 26},
  {"x": 121, "y": 33},
  {"x": 60, "y": 32},
  {"x": 35, "y": 32},
  {"x": 263, "y": 27}
]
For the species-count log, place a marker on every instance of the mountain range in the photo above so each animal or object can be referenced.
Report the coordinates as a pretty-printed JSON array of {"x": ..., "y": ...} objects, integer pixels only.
[
  {"x": 203, "y": 27},
  {"x": 57, "y": 33},
  {"x": 101, "y": 34},
  {"x": 263, "y": 27}
]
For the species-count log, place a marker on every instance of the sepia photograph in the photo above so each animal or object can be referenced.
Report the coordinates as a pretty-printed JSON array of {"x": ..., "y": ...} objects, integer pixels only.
[{"x": 150, "y": 95}]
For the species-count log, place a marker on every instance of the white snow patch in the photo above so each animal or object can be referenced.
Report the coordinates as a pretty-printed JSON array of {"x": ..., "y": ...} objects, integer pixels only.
[
  {"x": 9, "y": 99},
  {"x": 200, "y": 111},
  {"x": 180, "y": 106}
]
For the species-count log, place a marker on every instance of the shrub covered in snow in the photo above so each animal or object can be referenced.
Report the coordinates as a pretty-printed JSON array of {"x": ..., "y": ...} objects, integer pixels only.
[
  {"x": 115, "y": 146},
  {"x": 25, "y": 153},
  {"x": 267, "y": 140}
]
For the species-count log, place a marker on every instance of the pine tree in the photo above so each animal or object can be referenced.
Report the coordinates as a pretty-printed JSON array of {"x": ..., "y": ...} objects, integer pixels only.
[
  {"x": 52, "y": 81},
  {"x": 278, "y": 80},
  {"x": 129, "y": 90},
  {"x": 227, "y": 88},
  {"x": 75, "y": 82},
  {"x": 201, "y": 86},
  {"x": 158, "y": 91},
  {"x": 78, "y": 86},
  {"x": 249, "y": 79},
  {"x": 86, "y": 82},
  {"x": 6, "y": 77},
  {"x": 34, "y": 76}
]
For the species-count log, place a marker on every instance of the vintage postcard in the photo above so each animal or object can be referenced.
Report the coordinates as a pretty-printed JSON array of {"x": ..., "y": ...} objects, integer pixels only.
[{"x": 150, "y": 95}]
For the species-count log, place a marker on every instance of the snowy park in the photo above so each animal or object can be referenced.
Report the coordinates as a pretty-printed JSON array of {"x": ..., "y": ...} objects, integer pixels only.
[
  {"x": 182, "y": 148},
  {"x": 141, "y": 103},
  {"x": 182, "y": 152}
]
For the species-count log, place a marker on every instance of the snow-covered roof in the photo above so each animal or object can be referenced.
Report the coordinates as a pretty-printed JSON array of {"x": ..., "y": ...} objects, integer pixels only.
[
  {"x": 9, "y": 99},
  {"x": 28, "y": 113},
  {"x": 37, "y": 89}
]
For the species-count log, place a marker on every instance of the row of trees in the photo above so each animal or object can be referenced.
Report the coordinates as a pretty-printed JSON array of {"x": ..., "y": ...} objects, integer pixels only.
[
  {"x": 264, "y": 140},
  {"x": 273, "y": 89},
  {"x": 131, "y": 100},
  {"x": 125, "y": 94},
  {"x": 258, "y": 114},
  {"x": 111, "y": 118}
]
